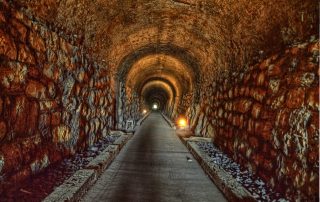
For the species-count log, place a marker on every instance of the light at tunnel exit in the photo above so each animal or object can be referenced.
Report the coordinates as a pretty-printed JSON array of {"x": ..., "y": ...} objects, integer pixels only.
[{"x": 155, "y": 106}]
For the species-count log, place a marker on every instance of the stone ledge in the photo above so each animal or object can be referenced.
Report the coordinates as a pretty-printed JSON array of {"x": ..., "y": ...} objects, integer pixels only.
[
  {"x": 232, "y": 190},
  {"x": 139, "y": 123},
  {"x": 197, "y": 139},
  {"x": 73, "y": 188},
  {"x": 171, "y": 124},
  {"x": 78, "y": 184},
  {"x": 122, "y": 140},
  {"x": 103, "y": 160}
]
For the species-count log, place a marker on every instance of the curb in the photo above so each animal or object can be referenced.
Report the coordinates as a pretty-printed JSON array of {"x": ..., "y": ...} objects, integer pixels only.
[
  {"x": 103, "y": 160},
  {"x": 142, "y": 119},
  {"x": 122, "y": 140},
  {"x": 231, "y": 189},
  {"x": 74, "y": 187},
  {"x": 171, "y": 124},
  {"x": 78, "y": 184}
]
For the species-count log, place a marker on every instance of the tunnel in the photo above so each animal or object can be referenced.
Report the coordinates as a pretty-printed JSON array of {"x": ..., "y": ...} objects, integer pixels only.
[
  {"x": 159, "y": 100},
  {"x": 161, "y": 74}
]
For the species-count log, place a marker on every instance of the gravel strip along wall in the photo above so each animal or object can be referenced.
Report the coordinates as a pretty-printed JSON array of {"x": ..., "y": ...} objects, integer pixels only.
[
  {"x": 77, "y": 185},
  {"x": 40, "y": 185},
  {"x": 54, "y": 100},
  {"x": 236, "y": 182},
  {"x": 232, "y": 190},
  {"x": 266, "y": 118}
]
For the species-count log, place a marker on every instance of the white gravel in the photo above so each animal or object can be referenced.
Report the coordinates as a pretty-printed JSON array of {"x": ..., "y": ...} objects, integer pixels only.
[{"x": 259, "y": 189}]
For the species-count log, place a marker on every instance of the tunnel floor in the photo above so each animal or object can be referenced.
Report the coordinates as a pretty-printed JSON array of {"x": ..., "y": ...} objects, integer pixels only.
[{"x": 154, "y": 166}]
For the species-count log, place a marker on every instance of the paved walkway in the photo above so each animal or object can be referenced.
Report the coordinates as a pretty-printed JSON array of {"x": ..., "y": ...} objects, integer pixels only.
[{"x": 153, "y": 166}]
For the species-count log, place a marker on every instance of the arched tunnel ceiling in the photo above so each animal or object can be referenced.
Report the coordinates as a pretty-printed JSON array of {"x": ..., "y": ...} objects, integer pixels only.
[
  {"x": 163, "y": 81},
  {"x": 160, "y": 91},
  {"x": 160, "y": 67},
  {"x": 160, "y": 62},
  {"x": 158, "y": 84},
  {"x": 220, "y": 34},
  {"x": 174, "y": 96}
]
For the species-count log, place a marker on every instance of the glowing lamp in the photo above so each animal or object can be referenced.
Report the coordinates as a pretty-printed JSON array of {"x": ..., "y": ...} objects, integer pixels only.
[
  {"x": 182, "y": 122},
  {"x": 144, "y": 111}
]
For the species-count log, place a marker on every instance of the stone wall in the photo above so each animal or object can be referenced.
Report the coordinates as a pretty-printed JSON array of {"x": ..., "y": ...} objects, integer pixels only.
[
  {"x": 128, "y": 108},
  {"x": 267, "y": 118},
  {"x": 133, "y": 110},
  {"x": 54, "y": 100}
]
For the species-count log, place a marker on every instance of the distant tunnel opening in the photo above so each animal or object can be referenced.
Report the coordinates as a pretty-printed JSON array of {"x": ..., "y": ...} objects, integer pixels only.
[
  {"x": 160, "y": 74},
  {"x": 156, "y": 99}
]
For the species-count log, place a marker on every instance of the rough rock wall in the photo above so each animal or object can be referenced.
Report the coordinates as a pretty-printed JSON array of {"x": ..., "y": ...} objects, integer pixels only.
[
  {"x": 133, "y": 111},
  {"x": 128, "y": 108},
  {"x": 54, "y": 100},
  {"x": 266, "y": 117}
]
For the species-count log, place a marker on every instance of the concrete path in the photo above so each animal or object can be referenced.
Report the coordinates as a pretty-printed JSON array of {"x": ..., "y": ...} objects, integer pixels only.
[{"x": 153, "y": 166}]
